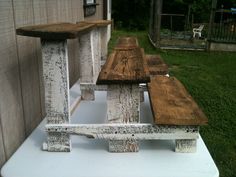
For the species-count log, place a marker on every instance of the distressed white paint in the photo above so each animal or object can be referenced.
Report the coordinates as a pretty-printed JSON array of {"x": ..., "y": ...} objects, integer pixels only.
[
  {"x": 96, "y": 48},
  {"x": 186, "y": 145},
  {"x": 86, "y": 57},
  {"x": 56, "y": 84},
  {"x": 123, "y": 106},
  {"x": 104, "y": 42},
  {"x": 127, "y": 131},
  {"x": 90, "y": 60},
  {"x": 84, "y": 86}
]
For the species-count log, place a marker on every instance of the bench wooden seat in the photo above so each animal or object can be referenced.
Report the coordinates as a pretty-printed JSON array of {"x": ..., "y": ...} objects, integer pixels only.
[
  {"x": 171, "y": 103},
  {"x": 125, "y": 65},
  {"x": 99, "y": 23},
  {"x": 156, "y": 65},
  {"x": 55, "y": 31},
  {"x": 126, "y": 43}
]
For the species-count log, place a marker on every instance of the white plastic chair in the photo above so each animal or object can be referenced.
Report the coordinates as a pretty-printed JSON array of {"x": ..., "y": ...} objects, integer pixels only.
[{"x": 198, "y": 31}]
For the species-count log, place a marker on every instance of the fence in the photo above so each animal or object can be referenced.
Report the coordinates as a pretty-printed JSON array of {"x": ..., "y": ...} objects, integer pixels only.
[{"x": 224, "y": 26}]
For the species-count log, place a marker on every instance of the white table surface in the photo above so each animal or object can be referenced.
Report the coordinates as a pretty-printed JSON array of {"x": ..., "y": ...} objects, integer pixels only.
[{"x": 90, "y": 158}]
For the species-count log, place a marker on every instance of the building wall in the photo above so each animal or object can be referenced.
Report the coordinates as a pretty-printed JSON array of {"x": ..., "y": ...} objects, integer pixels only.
[{"x": 21, "y": 87}]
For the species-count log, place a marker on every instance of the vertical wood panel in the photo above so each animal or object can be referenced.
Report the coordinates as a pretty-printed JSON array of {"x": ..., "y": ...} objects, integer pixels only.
[
  {"x": 11, "y": 114},
  {"x": 40, "y": 17},
  {"x": 28, "y": 59},
  {"x": 77, "y": 15},
  {"x": 2, "y": 150},
  {"x": 99, "y": 12}
]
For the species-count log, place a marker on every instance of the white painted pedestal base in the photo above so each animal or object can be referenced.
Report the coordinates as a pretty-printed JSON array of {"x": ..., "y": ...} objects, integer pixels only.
[
  {"x": 186, "y": 145},
  {"x": 90, "y": 60},
  {"x": 56, "y": 84},
  {"x": 123, "y": 106}
]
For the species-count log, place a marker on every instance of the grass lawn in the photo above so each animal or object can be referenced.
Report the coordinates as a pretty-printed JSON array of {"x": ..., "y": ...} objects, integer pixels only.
[{"x": 211, "y": 79}]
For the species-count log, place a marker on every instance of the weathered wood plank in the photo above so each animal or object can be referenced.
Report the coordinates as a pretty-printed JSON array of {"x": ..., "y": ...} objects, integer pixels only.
[
  {"x": 123, "y": 106},
  {"x": 29, "y": 70},
  {"x": 2, "y": 150},
  {"x": 52, "y": 12},
  {"x": 127, "y": 131},
  {"x": 77, "y": 11},
  {"x": 56, "y": 83},
  {"x": 40, "y": 17},
  {"x": 126, "y": 43},
  {"x": 125, "y": 66},
  {"x": 11, "y": 110},
  {"x": 54, "y": 30},
  {"x": 156, "y": 65},
  {"x": 172, "y": 104}
]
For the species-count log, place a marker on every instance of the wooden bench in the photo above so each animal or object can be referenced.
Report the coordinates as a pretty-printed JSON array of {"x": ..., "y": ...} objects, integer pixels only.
[
  {"x": 123, "y": 71},
  {"x": 156, "y": 65},
  {"x": 172, "y": 105}
]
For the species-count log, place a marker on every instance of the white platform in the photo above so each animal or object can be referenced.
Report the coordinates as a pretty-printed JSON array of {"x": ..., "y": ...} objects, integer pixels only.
[{"x": 90, "y": 158}]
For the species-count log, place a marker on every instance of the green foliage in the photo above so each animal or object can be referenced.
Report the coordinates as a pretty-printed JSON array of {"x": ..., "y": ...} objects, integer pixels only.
[{"x": 211, "y": 79}]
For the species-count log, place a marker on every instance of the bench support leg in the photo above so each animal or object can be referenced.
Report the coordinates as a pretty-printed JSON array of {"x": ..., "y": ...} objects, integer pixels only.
[
  {"x": 103, "y": 32},
  {"x": 89, "y": 56},
  {"x": 56, "y": 84},
  {"x": 185, "y": 145},
  {"x": 123, "y": 106}
]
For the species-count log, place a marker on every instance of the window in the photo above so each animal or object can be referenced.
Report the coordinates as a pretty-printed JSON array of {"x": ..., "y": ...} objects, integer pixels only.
[{"x": 89, "y": 7}]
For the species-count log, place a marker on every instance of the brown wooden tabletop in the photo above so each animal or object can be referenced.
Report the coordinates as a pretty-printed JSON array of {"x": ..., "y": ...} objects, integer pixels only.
[
  {"x": 172, "y": 104},
  {"x": 55, "y": 31},
  {"x": 156, "y": 65},
  {"x": 99, "y": 23},
  {"x": 125, "y": 66}
]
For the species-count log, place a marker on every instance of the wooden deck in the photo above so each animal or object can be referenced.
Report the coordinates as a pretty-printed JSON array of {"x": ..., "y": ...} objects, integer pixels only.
[{"x": 171, "y": 103}]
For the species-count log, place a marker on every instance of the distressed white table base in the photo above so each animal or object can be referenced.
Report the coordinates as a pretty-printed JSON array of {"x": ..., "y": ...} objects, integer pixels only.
[
  {"x": 123, "y": 106},
  {"x": 104, "y": 42},
  {"x": 30, "y": 161},
  {"x": 90, "y": 60},
  {"x": 56, "y": 84},
  {"x": 186, "y": 145}
]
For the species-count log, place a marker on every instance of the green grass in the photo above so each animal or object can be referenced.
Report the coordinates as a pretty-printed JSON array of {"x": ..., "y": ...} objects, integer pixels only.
[{"x": 211, "y": 79}]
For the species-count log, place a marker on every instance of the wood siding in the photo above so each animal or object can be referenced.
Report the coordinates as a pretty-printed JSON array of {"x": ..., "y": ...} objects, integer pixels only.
[{"x": 21, "y": 86}]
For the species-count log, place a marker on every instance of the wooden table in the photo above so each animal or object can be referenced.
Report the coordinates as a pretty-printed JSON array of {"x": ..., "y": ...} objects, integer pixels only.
[{"x": 55, "y": 73}]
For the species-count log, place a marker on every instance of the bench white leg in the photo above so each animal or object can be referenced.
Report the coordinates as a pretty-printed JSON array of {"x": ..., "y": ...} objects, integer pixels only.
[
  {"x": 141, "y": 96},
  {"x": 104, "y": 43},
  {"x": 86, "y": 57},
  {"x": 123, "y": 106},
  {"x": 96, "y": 45},
  {"x": 56, "y": 84},
  {"x": 185, "y": 145}
]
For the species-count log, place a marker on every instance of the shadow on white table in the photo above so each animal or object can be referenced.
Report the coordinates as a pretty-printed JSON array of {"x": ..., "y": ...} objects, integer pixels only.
[{"x": 90, "y": 158}]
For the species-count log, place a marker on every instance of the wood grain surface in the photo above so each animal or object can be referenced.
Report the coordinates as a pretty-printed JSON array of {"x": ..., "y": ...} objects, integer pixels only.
[
  {"x": 125, "y": 66},
  {"x": 54, "y": 30},
  {"x": 156, "y": 65},
  {"x": 171, "y": 103},
  {"x": 99, "y": 23}
]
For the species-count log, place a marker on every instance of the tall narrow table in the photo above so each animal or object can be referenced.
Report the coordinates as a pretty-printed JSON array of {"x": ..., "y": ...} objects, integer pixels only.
[{"x": 55, "y": 73}]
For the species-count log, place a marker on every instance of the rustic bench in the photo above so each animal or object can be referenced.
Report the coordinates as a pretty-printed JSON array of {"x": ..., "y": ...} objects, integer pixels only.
[
  {"x": 123, "y": 71},
  {"x": 173, "y": 106}
]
